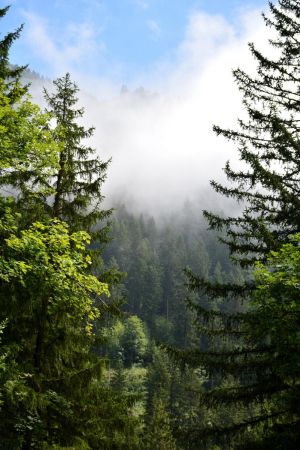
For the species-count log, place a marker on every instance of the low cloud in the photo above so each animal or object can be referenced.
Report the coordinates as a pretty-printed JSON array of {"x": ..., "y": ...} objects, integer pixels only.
[{"x": 160, "y": 138}]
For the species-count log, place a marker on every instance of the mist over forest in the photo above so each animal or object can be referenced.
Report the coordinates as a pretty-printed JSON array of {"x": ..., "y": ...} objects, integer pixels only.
[
  {"x": 150, "y": 231},
  {"x": 159, "y": 130}
]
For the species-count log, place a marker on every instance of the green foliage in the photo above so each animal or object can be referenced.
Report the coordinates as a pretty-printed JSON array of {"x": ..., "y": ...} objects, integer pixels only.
[
  {"x": 46, "y": 267},
  {"x": 3, "y": 366},
  {"x": 276, "y": 298},
  {"x": 127, "y": 341},
  {"x": 28, "y": 154},
  {"x": 48, "y": 257},
  {"x": 277, "y": 302},
  {"x": 247, "y": 365},
  {"x": 277, "y": 318},
  {"x": 133, "y": 340},
  {"x": 53, "y": 392},
  {"x": 11, "y": 75},
  {"x": 78, "y": 181},
  {"x": 40, "y": 163},
  {"x": 163, "y": 329},
  {"x": 268, "y": 145},
  {"x": 179, "y": 391},
  {"x": 160, "y": 374},
  {"x": 160, "y": 435},
  {"x": 153, "y": 257},
  {"x": 135, "y": 386}
]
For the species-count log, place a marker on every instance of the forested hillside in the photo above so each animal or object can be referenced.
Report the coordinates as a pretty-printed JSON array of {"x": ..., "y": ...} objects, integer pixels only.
[{"x": 154, "y": 256}]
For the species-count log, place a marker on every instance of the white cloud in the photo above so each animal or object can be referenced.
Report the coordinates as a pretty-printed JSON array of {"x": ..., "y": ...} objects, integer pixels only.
[
  {"x": 163, "y": 147},
  {"x": 66, "y": 49}
]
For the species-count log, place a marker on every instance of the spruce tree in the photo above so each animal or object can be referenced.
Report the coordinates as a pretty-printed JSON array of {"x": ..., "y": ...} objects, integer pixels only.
[
  {"x": 159, "y": 435},
  {"x": 10, "y": 74},
  {"x": 81, "y": 173},
  {"x": 268, "y": 143},
  {"x": 72, "y": 190}
]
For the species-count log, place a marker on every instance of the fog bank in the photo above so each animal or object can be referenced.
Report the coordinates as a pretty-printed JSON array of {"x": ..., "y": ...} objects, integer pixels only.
[{"x": 160, "y": 137}]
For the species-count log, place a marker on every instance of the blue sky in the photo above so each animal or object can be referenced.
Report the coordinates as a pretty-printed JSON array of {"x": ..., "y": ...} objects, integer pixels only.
[{"x": 120, "y": 37}]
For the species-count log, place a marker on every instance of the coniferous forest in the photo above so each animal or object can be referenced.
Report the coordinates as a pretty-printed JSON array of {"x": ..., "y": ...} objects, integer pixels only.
[{"x": 124, "y": 330}]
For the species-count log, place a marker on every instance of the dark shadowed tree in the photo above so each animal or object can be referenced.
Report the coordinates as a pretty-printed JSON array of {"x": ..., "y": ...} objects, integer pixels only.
[{"x": 268, "y": 143}]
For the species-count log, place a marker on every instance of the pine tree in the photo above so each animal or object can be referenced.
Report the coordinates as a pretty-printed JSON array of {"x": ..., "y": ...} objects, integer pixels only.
[
  {"x": 72, "y": 189},
  {"x": 268, "y": 144},
  {"x": 160, "y": 433},
  {"x": 144, "y": 282},
  {"x": 78, "y": 181},
  {"x": 11, "y": 75}
]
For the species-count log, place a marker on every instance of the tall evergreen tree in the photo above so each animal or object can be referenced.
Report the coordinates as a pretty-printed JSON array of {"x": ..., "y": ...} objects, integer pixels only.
[
  {"x": 160, "y": 433},
  {"x": 72, "y": 190},
  {"x": 10, "y": 74},
  {"x": 268, "y": 144},
  {"x": 52, "y": 390},
  {"x": 78, "y": 181}
]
